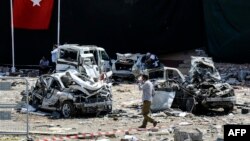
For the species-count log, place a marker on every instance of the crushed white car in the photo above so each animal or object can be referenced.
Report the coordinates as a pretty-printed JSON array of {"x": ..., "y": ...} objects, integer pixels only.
[{"x": 70, "y": 92}]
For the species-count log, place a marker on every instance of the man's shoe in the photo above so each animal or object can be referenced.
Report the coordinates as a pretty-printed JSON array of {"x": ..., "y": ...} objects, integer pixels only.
[
  {"x": 142, "y": 126},
  {"x": 155, "y": 123}
]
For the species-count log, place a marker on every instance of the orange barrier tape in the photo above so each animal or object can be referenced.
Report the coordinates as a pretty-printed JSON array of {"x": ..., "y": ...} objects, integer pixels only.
[{"x": 93, "y": 135}]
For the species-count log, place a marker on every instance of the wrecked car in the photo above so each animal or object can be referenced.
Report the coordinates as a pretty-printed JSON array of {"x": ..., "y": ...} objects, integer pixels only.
[
  {"x": 70, "y": 92},
  {"x": 206, "y": 87},
  {"x": 140, "y": 66},
  {"x": 122, "y": 66},
  {"x": 167, "y": 90},
  {"x": 198, "y": 92},
  {"x": 129, "y": 65}
]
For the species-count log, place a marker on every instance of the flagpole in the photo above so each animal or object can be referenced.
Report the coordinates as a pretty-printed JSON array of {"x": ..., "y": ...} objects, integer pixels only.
[
  {"x": 58, "y": 22},
  {"x": 13, "y": 69}
]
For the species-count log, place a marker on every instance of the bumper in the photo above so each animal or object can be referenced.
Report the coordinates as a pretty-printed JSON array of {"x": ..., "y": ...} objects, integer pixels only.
[{"x": 96, "y": 104}]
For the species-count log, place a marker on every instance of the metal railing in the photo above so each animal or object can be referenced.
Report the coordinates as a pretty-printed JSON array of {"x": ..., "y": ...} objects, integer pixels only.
[{"x": 11, "y": 106}]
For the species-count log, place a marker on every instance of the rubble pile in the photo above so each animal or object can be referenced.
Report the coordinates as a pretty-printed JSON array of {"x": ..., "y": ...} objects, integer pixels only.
[
  {"x": 6, "y": 71},
  {"x": 234, "y": 74}
]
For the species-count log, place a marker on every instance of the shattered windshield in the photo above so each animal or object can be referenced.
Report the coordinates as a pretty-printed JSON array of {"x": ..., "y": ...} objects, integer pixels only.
[{"x": 69, "y": 55}]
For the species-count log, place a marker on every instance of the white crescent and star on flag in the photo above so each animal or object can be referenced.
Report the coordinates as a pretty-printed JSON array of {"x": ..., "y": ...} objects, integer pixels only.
[{"x": 36, "y": 2}]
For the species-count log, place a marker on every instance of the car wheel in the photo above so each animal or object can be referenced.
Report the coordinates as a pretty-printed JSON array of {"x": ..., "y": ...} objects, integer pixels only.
[{"x": 67, "y": 109}]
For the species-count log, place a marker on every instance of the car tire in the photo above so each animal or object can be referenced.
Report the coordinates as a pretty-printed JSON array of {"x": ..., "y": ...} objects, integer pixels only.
[{"x": 67, "y": 109}]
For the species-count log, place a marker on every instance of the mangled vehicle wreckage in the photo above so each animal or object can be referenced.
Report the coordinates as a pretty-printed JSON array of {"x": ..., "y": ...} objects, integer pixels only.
[
  {"x": 201, "y": 92},
  {"x": 123, "y": 66},
  {"x": 129, "y": 65},
  {"x": 69, "y": 92}
]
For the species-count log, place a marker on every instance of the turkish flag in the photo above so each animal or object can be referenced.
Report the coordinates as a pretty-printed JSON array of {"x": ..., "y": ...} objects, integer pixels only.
[{"x": 32, "y": 14}]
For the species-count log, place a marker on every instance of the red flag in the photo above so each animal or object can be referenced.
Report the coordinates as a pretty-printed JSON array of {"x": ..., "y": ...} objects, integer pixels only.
[{"x": 32, "y": 14}]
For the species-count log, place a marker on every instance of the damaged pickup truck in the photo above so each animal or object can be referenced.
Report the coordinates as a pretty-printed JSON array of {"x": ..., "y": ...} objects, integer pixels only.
[
  {"x": 198, "y": 92},
  {"x": 70, "y": 92},
  {"x": 123, "y": 66},
  {"x": 129, "y": 65}
]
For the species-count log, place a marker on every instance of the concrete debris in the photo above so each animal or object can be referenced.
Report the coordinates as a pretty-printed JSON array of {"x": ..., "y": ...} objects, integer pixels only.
[
  {"x": 185, "y": 123},
  {"x": 232, "y": 72},
  {"x": 160, "y": 114},
  {"x": 29, "y": 109},
  {"x": 124, "y": 90},
  {"x": 187, "y": 134},
  {"x": 103, "y": 140},
  {"x": 59, "y": 129},
  {"x": 130, "y": 138},
  {"x": 46, "y": 125},
  {"x": 154, "y": 129},
  {"x": 132, "y": 103},
  {"x": 160, "y": 133},
  {"x": 118, "y": 113},
  {"x": 176, "y": 113},
  {"x": 6, "y": 71},
  {"x": 40, "y": 113},
  {"x": 233, "y": 81},
  {"x": 29, "y": 72}
]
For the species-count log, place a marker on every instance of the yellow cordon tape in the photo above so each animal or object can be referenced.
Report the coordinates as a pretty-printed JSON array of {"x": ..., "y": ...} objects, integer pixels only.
[{"x": 92, "y": 135}]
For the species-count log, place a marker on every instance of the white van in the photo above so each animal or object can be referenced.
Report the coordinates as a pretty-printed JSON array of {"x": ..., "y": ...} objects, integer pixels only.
[
  {"x": 85, "y": 59},
  {"x": 101, "y": 57}
]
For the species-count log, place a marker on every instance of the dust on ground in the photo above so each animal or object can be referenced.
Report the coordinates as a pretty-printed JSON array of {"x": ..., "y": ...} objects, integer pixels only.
[{"x": 126, "y": 98}]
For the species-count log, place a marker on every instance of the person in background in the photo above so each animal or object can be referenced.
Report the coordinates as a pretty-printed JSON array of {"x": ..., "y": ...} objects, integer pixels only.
[
  {"x": 151, "y": 61},
  {"x": 147, "y": 94},
  {"x": 44, "y": 65},
  {"x": 54, "y": 57}
]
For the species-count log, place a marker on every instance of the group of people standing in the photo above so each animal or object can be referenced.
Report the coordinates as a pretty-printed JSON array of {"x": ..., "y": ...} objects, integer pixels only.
[{"x": 44, "y": 62}]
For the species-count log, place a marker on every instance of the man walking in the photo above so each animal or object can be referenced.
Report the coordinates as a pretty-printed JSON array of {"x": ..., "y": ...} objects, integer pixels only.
[{"x": 147, "y": 93}]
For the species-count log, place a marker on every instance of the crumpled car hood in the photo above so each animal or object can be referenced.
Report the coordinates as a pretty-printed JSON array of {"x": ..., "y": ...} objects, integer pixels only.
[{"x": 203, "y": 69}]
